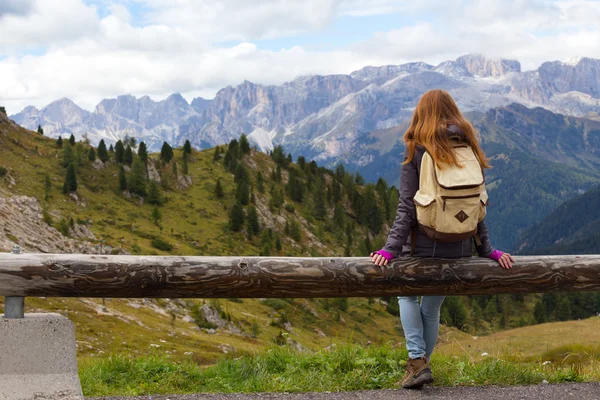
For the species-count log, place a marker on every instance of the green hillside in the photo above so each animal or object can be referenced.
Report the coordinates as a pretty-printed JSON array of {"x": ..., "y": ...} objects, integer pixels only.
[
  {"x": 267, "y": 205},
  {"x": 573, "y": 228}
]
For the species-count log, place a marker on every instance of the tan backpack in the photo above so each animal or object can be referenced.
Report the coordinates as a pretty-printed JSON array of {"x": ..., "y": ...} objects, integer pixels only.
[{"x": 451, "y": 201}]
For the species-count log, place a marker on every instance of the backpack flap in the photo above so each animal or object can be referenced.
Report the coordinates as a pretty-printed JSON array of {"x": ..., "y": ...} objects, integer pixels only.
[
  {"x": 426, "y": 208},
  {"x": 422, "y": 199},
  {"x": 469, "y": 176}
]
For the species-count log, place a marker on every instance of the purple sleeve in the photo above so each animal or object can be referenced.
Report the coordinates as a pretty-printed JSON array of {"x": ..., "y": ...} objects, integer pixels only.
[
  {"x": 406, "y": 214},
  {"x": 495, "y": 255},
  {"x": 388, "y": 256}
]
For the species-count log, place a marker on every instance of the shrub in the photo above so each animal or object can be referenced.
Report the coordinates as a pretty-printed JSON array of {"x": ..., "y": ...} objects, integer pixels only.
[
  {"x": 63, "y": 227},
  {"x": 160, "y": 244},
  {"x": 276, "y": 304},
  {"x": 3, "y": 171}
]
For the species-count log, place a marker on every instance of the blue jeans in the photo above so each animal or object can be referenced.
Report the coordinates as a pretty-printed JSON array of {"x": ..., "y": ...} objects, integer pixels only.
[{"x": 421, "y": 323}]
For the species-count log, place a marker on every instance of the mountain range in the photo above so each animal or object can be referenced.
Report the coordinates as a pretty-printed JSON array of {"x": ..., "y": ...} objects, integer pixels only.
[{"x": 323, "y": 117}]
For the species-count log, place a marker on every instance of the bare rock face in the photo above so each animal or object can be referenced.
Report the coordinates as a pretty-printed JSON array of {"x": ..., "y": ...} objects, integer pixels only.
[
  {"x": 212, "y": 316},
  {"x": 478, "y": 65},
  {"x": 579, "y": 75},
  {"x": 153, "y": 174},
  {"x": 21, "y": 223},
  {"x": 98, "y": 164},
  {"x": 183, "y": 181}
]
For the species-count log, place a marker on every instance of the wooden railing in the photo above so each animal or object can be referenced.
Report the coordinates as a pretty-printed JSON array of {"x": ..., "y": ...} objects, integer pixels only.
[{"x": 75, "y": 275}]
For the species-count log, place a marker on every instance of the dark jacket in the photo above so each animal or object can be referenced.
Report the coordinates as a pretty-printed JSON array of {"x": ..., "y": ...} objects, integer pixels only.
[{"x": 399, "y": 238}]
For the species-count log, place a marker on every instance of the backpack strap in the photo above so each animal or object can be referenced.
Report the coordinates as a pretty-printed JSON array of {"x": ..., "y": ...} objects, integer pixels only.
[{"x": 477, "y": 239}]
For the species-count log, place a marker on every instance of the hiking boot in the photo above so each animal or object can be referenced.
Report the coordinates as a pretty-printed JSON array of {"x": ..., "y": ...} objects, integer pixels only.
[{"x": 418, "y": 373}]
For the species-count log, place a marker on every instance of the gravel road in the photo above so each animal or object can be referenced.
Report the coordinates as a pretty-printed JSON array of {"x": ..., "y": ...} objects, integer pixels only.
[{"x": 578, "y": 391}]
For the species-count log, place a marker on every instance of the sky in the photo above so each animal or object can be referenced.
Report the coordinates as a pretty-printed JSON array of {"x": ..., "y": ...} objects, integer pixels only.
[{"x": 88, "y": 50}]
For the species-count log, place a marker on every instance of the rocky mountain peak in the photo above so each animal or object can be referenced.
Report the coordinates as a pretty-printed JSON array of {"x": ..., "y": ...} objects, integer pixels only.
[
  {"x": 200, "y": 104},
  {"x": 478, "y": 65},
  {"x": 176, "y": 99},
  {"x": 580, "y": 74},
  {"x": 63, "y": 109}
]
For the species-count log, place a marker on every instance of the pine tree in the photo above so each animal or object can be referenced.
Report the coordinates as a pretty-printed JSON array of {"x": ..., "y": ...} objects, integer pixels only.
[
  {"x": 370, "y": 213},
  {"x": 253, "y": 224},
  {"x": 3, "y": 110},
  {"x": 92, "y": 154},
  {"x": 185, "y": 167},
  {"x": 40, "y": 130},
  {"x": 143, "y": 152},
  {"x": 319, "y": 209},
  {"x": 242, "y": 192},
  {"x": 277, "y": 155},
  {"x": 301, "y": 162},
  {"x": 187, "y": 149},
  {"x": 393, "y": 203},
  {"x": 539, "y": 313},
  {"x": 294, "y": 187},
  {"x": 241, "y": 174},
  {"x": 59, "y": 142},
  {"x": 477, "y": 315},
  {"x": 563, "y": 312},
  {"x": 339, "y": 216},
  {"x": 260, "y": 182},
  {"x": 68, "y": 155},
  {"x": 119, "y": 152},
  {"x": 156, "y": 216},
  {"x": 219, "y": 190},
  {"x": 70, "y": 179},
  {"x": 137, "y": 178},
  {"x": 102, "y": 153},
  {"x": 217, "y": 154},
  {"x": 277, "y": 198},
  {"x": 278, "y": 243},
  {"x": 128, "y": 156},
  {"x": 236, "y": 217},
  {"x": 154, "y": 196},
  {"x": 166, "y": 153},
  {"x": 111, "y": 149},
  {"x": 294, "y": 231},
  {"x": 358, "y": 179},
  {"x": 72, "y": 140},
  {"x": 491, "y": 311},
  {"x": 227, "y": 160},
  {"x": 122, "y": 179},
  {"x": 234, "y": 148},
  {"x": 47, "y": 187},
  {"x": 457, "y": 311},
  {"x": 244, "y": 144},
  {"x": 340, "y": 172}
]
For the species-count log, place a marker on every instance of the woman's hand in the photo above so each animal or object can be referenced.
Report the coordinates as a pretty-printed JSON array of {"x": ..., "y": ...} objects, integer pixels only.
[
  {"x": 378, "y": 259},
  {"x": 506, "y": 261}
]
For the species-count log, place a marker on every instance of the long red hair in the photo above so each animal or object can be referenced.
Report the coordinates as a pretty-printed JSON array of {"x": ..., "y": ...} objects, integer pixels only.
[{"x": 435, "y": 111}]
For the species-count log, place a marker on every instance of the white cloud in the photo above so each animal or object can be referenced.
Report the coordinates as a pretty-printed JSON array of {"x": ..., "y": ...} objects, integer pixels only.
[
  {"x": 178, "y": 46},
  {"x": 48, "y": 22}
]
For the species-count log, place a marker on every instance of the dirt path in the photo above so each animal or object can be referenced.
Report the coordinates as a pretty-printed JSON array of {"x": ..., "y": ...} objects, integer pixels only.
[{"x": 578, "y": 391}]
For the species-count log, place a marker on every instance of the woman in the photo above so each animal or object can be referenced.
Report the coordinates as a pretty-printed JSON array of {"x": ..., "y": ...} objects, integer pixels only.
[{"x": 437, "y": 125}]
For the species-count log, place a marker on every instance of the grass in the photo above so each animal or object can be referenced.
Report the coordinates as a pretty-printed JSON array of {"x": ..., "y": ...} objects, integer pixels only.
[
  {"x": 531, "y": 342},
  {"x": 281, "y": 369}
]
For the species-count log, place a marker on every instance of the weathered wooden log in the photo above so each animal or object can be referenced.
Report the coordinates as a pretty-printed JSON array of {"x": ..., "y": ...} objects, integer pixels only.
[{"x": 73, "y": 275}]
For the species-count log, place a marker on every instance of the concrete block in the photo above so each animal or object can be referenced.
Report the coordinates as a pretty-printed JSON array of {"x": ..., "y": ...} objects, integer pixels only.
[{"x": 38, "y": 358}]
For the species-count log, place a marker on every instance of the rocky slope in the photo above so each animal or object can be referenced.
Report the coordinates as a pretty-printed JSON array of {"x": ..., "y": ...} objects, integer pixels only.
[{"x": 321, "y": 116}]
